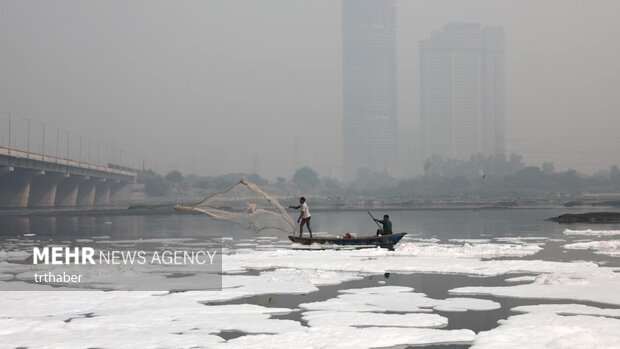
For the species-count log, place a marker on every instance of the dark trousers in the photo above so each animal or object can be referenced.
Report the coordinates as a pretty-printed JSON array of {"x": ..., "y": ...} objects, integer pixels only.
[{"x": 306, "y": 222}]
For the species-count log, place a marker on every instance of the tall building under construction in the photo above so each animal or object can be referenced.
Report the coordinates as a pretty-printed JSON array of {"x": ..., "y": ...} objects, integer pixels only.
[
  {"x": 370, "y": 131},
  {"x": 462, "y": 91}
]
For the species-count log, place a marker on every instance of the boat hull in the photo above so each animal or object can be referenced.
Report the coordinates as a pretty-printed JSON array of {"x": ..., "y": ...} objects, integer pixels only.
[{"x": 386, "y": 241}]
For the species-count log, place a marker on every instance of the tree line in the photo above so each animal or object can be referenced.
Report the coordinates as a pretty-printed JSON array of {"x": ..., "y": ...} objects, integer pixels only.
[{"x": 479, "y": 176}]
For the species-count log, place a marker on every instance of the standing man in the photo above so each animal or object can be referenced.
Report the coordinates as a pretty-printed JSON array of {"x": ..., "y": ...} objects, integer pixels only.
[
  {"x": 387, "y": 226},
  {"x": 304, "y": 216}
]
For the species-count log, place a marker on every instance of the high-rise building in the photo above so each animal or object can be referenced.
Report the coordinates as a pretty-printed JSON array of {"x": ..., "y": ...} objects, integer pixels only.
[
  {"x": 370, "y": 132},
  {"x": 462, "y": 91}
]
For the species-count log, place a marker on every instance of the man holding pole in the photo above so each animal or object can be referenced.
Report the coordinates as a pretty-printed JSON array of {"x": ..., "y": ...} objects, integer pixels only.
[{"x": 387, "y": 225}]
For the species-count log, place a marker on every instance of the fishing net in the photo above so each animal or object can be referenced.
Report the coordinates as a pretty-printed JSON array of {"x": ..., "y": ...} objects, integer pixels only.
[{"x": 247, "y": 205}]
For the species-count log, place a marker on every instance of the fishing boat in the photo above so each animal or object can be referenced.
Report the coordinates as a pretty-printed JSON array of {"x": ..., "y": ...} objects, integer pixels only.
[{"x": 385, "y": 241}]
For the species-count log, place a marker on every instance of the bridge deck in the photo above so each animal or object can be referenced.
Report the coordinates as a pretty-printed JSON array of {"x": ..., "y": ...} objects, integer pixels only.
[{"x": 45, "y": 162}]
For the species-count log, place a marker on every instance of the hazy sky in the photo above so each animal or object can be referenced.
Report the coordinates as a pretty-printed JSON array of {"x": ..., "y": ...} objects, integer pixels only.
[{"x": 223, "y": 81}]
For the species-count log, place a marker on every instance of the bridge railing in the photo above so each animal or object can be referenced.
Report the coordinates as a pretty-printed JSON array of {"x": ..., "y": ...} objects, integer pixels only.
[
  {"x": 28, "y": 138},
  {"x": 64, "y": 162}
]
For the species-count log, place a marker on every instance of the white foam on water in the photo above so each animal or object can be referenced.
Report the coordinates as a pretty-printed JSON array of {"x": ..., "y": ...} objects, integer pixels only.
[
  {"x": 24, "y": 286},
  {"x": 129, "y": 320},
  {"x": 265, "y": 246},
  {"x": 465, "y": 304},
  {"x": 117, "y": 276},
  {"x": 470, "y": 241},
  {"x": 521, "y": 239},
  {"x": 396, "y": 299},
  {"x": 379, "y": 290},
  {"x": 155, "y": 318},
  {"x": 4, "y": 255},
  {"x": 550, "y": 330},
  {"x": 153, "y": 240},
  {"x": 527, "y": 278},
  {"x": 601, "y": 287},
  {"x": 185, "y": 245},
  {"x": 413, "y": 259},
  {"x": 280, "y": 281},
  {"x": 590, "y": 232},
  {"x": 469, "y": 250},
  {"x": 430, "y": 240},
  {"x": 351, "y": 337},
  {"x": 315, "y": 277},
  {"x": 180, "y": 315},
  {"x": 144, "y": 319},
  {"x": 568, "y": 309},
  {"x": 63, "y": 304},
  {"x": 365, "y": 319},
  {"x": 608, "y": 247}
]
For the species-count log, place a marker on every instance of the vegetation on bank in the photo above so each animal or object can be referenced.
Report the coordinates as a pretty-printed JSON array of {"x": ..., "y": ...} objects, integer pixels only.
[
  {"x": 478, "y": 177},
  {"x": 590, "y": 217}
]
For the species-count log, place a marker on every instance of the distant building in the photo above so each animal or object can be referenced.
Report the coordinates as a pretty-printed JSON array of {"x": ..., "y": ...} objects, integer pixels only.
[
  {"x": 462, "y": 91},
  {"x": 370, "y": 132}
]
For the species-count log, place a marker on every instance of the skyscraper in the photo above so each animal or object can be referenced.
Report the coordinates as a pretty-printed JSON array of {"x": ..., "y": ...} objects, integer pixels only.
[
  {"x": 370, "y": 133},
  {"x": 462, "y": 91}
]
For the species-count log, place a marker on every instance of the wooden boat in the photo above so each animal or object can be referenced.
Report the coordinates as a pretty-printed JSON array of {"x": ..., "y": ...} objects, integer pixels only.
[{"x": 386, "y": 241}]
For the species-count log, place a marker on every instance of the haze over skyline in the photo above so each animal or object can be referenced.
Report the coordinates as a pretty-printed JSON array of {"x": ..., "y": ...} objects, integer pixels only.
[{"x": 221, "y": 81}]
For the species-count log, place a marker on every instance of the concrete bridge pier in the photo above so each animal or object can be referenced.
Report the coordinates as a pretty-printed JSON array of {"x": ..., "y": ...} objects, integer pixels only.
[
  {"x": 119, "y": 190},
  {"x": 103, "y": 190},
  {"x": 15, "y": 188},
  {"x": 67, "y": 190},
  {"x": 86, "y": 192},
  {"x": 36, "y": 180},
  {"x": 43, "y": 189}
]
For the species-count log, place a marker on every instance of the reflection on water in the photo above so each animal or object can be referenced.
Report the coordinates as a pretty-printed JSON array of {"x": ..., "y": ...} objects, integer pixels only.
[
  {"x": 67, "y": 227},
  {"x": 441, "y": 224}
]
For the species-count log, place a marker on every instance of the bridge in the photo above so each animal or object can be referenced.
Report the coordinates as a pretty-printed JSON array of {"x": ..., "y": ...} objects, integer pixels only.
[{"x": 31, "y": 180}]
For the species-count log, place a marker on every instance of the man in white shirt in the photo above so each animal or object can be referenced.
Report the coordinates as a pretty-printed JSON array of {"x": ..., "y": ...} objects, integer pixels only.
[{"x": 304, "y": 216}]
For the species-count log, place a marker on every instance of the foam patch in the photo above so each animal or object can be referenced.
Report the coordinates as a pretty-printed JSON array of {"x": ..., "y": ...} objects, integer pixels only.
[
  {"x": 590, "y": 232},
  {"x": 396, "y": 299},
  {"x": 600, "y": 287},
  {"x": 550, "y": 330},
  {"x": 351, "y": 337},
  {"x": 609, "y": 247}
]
